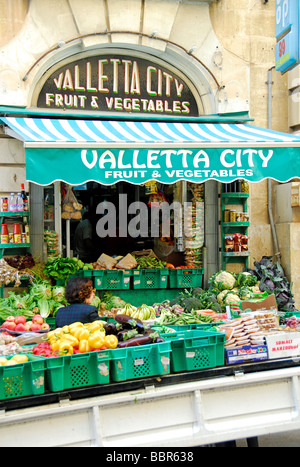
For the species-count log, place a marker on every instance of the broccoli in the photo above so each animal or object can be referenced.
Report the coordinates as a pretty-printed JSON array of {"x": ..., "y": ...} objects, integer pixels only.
[
  {"x": 191, "y": 303},
  {"x": 197, "y": 291}
]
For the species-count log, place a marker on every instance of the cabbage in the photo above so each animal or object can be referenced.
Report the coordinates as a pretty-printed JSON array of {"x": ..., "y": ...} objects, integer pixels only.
[
  {"x": 58, "y": 294},
  {"x": 42, "y": 290},
  {"x": 44, "y": 308},
  {"x": 112, "y": 301},
  {"x": 96, "y": 301}
]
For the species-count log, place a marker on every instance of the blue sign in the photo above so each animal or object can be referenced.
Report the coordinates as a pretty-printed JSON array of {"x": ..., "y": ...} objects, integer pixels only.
[
  {"x": 287, "y": 52},
  {"x": 286, "y": 15}
]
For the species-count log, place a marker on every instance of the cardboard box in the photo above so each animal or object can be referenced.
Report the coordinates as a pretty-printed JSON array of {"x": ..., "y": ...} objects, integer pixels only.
[
  {"x": 268, "y": 303},
  {"x": 283, "y": 344},
  {"x": 247, "y": 353}
]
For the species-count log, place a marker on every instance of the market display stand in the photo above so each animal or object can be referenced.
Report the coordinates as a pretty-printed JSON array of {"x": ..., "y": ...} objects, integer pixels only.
[
  {"x": 147, "y": 286},
  {"x": 16, "y": 248},
  {"x": 187, "y": 409},
  {"x": 234, "y": 199}
]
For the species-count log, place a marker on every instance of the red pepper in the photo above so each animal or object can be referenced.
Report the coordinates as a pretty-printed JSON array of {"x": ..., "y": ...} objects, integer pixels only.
[
  {"x": 100, "y": 348},
  {"x": 44, "y": 350}
]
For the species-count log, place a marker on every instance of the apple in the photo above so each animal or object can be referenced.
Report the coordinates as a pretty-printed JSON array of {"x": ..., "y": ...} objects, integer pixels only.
[
  {"x": 45, "y": 326},
  {"x": 28, "y": 325},
  {"x": 20, "y": 320},
  {"x": 37, "y": 319},
  {"x": 20, "y": 327},
  {"x": 10, "y": 318},
  {"x": 35, "y": 327},
  {"x": 10, "y": 325}
]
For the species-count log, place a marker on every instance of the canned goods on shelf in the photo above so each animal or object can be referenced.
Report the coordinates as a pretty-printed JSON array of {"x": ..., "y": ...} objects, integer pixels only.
[
  {"x": 17, "y": 233},
  {"x": 227, "y": 215},
  {"x": 4, "y": 234},
  {"x": 239, "y": 217},
  {"x": 4, "y": 205},
  {"x": 232, "y": 216}
]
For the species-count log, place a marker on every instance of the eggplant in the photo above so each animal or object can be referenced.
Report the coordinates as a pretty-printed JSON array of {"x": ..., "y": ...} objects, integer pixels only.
[
  {"x": 158, "y": 340},
  {"x": 110, "y": 328},
  {"x": 126, "y": 334},
  {"x": 130, "y": 323},
  {"x": 135, "y": 341}
]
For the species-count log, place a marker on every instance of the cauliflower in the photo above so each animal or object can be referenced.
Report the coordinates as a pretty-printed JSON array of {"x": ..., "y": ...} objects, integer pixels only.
[
  {"x": 255, "y": 289},
  {"x": 246, "y": 279},
  {"x": 231, "y": 298},
  {"x": 221, "y": 296},
  {"x": 245, "y": 293},
  {"x": 223, "y": 280}
]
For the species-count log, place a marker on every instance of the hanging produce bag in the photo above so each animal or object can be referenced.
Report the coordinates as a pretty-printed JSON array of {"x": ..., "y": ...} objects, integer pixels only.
[{"x": 71, "y": 209}]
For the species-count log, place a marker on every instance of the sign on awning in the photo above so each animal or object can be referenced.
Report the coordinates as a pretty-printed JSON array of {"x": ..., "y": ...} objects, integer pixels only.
[{"x": 78, "y": 151}]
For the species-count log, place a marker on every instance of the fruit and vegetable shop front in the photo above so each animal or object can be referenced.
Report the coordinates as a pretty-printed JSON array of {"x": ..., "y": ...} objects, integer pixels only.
[{"x": 164, "y": 189}]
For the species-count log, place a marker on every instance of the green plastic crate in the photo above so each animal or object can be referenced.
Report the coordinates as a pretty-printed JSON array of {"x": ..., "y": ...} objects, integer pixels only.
[
  {"x": 185, "y": 278},
  {"x": 23, "y": 379},
  {"x": 196, "y": 350},
  {"x": 108, "y": 319},
  {"x": 185, "y": 327},
  {"x": 150, "y": 278},
  {"x": 140, "y": 361},
  {"x": 51, "y": 321},
  {"x": 85, "y": 273},
  {"x": 289, "y": 314},
  {"x": 112, "y": 279},
  {"x": 75, "y": 371}
]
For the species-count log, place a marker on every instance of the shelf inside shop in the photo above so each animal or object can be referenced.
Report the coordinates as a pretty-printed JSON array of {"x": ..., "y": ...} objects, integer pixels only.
[
  {"x": 14, "y": 214},
  {"x": 232, "y": 229},
  {"x": 236, "y": 254},
  {"x": 4, "y": 246},
  {"x": 236, "y": 224},
  {"x": 234, "y": 195}
]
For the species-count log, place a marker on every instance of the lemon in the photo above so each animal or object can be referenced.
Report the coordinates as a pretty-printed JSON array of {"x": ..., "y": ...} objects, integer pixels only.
[{"x": 20, "y": 358}]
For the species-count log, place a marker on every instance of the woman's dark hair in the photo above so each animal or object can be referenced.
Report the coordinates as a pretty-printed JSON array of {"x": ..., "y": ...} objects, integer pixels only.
[{"x": 78, "y": 289}]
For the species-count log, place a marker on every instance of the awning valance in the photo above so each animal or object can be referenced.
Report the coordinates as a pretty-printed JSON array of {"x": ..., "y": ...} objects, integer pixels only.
[{"x": 77, "y": 151}]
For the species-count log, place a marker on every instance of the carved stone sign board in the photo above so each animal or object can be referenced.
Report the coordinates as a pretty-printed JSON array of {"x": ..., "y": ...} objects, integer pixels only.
[{"x": 118, "y": 83}]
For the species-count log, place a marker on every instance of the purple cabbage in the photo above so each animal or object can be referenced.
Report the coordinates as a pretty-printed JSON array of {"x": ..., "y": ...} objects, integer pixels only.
[{"x": 273, "y": 280}]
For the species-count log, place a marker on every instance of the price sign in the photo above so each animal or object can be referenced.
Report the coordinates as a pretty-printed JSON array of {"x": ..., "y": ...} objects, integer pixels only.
[{"x": 287, "y": 34}]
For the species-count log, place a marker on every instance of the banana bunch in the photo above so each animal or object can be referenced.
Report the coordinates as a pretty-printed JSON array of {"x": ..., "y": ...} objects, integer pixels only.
[{"x": 143, "y": 312}]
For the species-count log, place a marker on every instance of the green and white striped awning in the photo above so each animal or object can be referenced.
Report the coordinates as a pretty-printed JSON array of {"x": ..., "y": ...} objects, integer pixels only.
[{"x": 77, "y": 151}]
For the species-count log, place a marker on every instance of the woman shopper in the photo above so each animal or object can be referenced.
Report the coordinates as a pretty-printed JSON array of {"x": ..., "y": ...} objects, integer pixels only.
[{"x": 79, "y": 294}]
